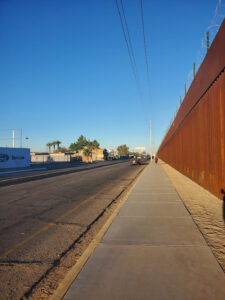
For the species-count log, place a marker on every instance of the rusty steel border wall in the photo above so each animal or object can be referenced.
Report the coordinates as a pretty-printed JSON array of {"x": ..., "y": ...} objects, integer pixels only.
[{"x": 195, "y": 141}]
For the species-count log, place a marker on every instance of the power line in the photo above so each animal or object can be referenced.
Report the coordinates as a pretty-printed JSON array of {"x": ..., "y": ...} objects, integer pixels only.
[
  {"x": 128, "y": 42},
  {"x": 145, "y": 45},
  {"x": 129, "y": 38}
]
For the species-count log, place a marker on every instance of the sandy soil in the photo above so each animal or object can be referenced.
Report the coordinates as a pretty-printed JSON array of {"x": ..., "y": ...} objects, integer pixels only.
[{"x": 205, "y": 209}]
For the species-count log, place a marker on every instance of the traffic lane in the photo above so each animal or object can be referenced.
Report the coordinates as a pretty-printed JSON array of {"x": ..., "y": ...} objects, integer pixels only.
[
  {"x": 53, "y": 225},
  {"x": 52, "y": 168},
  {"x": 44, "y": 166},
  {"x": 66, "y": 186},
  {"x": 28, "y": 207}
]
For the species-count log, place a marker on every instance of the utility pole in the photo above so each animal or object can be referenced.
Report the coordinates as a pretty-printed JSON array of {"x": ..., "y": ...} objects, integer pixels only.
[
  {"x": 150, "y": 138},
  {"x": 27, "y": 138},
  {"x": 13, "y": 138},
  {"x": 21, "y": 137}
]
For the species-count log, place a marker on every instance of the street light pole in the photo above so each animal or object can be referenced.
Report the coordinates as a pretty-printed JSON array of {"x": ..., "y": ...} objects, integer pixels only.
[
  {"x": 21, "y": 138},
  {"x": 27, "y": 138},
  {"x": 13, "y": 138},
  {"x": 150, "y": 138}
]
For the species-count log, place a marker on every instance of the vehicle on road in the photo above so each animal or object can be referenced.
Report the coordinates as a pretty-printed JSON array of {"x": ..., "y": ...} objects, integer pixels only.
[{"x": 135, "y": 161}]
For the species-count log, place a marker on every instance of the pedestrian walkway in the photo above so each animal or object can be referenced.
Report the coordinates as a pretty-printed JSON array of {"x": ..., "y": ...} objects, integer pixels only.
[{"x": 152, "y": 250}]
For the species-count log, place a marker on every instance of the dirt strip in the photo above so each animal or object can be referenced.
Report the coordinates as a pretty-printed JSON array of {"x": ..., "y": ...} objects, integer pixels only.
[{"x": 205, "y": 209}]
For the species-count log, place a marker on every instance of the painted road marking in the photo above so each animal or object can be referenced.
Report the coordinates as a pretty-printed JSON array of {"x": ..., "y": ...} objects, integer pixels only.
[{"x": 51, "y": 224}]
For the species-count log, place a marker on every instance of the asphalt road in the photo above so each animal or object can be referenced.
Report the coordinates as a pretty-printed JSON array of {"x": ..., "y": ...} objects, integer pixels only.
[
  {"x": 50, "y": 168},
  {"x": 40, "y": 220}
]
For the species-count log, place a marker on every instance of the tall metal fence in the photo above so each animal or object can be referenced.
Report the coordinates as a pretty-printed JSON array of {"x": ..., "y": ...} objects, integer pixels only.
[{"x": 195, "y": 142}]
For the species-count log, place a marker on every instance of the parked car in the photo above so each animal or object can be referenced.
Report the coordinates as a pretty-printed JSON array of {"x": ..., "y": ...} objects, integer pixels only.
[{"x": 135, "y": 161}]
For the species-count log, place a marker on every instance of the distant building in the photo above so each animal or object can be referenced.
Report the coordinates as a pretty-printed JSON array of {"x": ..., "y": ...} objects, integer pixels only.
[
  {"x": 97, "y": 154},
  {"x": 38, "y": 157},
  {"x": 112, "y": 154}
]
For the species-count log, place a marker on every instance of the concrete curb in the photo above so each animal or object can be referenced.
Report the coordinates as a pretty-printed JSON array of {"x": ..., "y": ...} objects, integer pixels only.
[
  {"x": 17, "y": 180},
  {"x": 75, "y": 270}
]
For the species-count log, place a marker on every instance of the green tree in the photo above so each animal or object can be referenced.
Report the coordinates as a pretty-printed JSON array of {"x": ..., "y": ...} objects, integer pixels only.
[
  {"x": 95, "y": 144},
  {"x": 91, "y": 145},
  {"x": 83, "y": 143},
  {"x": 123, "y": 150},
  {"x": 79, "y": 145},
  {"x": 73, "y": 147},
  {"x": 61, "y": 150}
]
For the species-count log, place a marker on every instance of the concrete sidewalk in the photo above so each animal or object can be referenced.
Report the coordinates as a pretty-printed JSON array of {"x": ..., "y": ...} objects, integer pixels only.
[{"x": 152, "y": 250}]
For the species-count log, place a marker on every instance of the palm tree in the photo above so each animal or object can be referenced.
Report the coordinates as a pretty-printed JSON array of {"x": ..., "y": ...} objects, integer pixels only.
[
  {"x": 92, "y": 145},
  {"x": 58, "y": 143},
  {"x": 53, "y": 144},
  {"x": 49, "y": 146},
  {"x": 87, "y": 152}
]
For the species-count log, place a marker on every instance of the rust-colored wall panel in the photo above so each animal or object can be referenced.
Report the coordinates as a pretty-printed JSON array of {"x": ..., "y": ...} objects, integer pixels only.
[
  {"x": 195, "y": 142},
  {"x": 197, "y": 148},
  {"x": 211, "y": 67}
]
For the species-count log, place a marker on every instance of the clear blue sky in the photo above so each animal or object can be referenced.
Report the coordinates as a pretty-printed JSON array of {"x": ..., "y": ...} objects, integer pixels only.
[{"x": 65, "y": 70}]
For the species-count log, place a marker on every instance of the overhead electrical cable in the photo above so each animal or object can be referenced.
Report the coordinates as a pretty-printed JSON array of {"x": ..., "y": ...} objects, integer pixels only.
[
  {"x": 130, "y": 50},
  {"x": 127, "y": 44},
  {"x": 129, "y": 38},
  {"x": 145, "y": 45}
]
